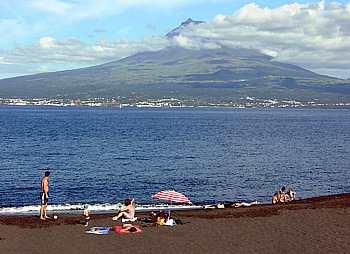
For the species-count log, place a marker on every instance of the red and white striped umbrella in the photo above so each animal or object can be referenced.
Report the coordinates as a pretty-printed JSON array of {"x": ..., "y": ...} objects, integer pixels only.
[{"x": 172, "y": 195}]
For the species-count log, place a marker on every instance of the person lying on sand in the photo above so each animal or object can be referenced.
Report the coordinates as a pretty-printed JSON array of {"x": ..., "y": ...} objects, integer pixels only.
[
  {"x": 208, "y": 206},
  {"x": 223, "y": 205},
  {"x": 128, "y": 228},
  {"x": 245, "y": 204}
]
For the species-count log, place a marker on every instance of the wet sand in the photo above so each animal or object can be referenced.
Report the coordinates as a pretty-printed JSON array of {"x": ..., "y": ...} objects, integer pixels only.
[{"x": 316, "y": 225}]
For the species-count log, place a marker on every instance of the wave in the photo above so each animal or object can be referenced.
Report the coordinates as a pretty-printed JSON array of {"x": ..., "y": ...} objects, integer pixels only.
[{"x": 94, "y": 208}]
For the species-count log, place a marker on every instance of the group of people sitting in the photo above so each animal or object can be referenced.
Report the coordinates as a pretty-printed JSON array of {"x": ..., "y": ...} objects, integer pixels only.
[
  {"x": 127, "y": 214},
  {"x": 161, "y": 218},
  {"x": 281, "y": 196}
]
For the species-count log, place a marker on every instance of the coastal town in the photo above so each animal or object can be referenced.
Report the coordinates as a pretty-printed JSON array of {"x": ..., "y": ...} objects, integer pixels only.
[{"x": 247, "y": 102}]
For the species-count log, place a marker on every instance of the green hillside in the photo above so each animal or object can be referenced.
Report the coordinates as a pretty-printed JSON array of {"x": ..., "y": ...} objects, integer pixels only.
[{"x": 205, "y": 77}]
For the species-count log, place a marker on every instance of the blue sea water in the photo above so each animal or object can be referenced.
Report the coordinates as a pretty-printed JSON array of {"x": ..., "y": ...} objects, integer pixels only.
[{"x": 102, "y": 155}]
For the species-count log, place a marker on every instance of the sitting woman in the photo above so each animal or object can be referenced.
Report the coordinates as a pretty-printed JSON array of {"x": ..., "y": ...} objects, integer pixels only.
[
  {"x": 290, "y": 195},
  {"x": 128, "y": 212},
  {"x": 275, "y": 198},
  {"x": 281, "y": 196}
]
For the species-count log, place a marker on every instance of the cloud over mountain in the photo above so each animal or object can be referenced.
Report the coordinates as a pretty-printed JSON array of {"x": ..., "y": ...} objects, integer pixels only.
[{"x": 315, "y": 36}]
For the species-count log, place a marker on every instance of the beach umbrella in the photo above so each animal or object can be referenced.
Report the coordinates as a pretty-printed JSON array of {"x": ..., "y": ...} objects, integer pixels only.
[{"x": 172, "y": 196}]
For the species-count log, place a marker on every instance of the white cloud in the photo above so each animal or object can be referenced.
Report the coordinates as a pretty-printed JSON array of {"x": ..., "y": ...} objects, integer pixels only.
[
  {"x": 315, "y": 36},
  {"x": 47, "y": 43},
  {"x": 71, "y": 50},
  {"x": 91, "y": 9},
  {"x": 3, "y": 61}
]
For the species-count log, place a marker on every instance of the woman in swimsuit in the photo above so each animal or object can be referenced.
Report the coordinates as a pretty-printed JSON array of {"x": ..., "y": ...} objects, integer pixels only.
[
  {"x": 275, "y": 198},
  {"x": 245, "y": 204},
  {"x": 128, "y": 212},
  {"x": 281, "y": 196},
  {"x": 290, "y": 195}
]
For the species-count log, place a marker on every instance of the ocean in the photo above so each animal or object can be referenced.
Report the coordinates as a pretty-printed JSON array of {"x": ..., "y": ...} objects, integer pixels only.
[{"x": 102, "y": 155}]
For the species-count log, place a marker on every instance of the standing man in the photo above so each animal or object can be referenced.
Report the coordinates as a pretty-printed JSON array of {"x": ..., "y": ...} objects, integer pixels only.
[{"x": 44, "y": 195}]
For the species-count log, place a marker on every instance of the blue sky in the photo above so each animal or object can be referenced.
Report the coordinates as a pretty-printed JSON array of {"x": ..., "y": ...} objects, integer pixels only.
[{"x": 52, "y": 35}]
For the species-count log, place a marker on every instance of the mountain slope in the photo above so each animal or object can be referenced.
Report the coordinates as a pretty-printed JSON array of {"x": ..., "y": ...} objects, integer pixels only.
[{"x": 205, "y": 76}]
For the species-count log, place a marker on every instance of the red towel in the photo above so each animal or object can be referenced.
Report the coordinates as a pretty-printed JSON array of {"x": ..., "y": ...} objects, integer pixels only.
[{"x": 120, "y": 230}]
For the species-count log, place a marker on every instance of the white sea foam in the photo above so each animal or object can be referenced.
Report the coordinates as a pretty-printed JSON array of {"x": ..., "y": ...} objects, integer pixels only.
[{"x": 94, "y": 208}]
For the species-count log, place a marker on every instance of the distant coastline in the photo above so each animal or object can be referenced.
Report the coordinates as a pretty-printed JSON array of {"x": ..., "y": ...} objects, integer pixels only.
[{"x": 247, "y": 102}]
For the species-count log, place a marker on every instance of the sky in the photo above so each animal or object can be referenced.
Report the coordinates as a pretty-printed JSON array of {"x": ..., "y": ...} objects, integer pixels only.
[{"x": 53, "y": 35}]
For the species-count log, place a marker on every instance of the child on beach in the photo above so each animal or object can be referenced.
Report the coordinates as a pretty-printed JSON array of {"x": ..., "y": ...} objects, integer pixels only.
[{"x": 86, "y": 215}]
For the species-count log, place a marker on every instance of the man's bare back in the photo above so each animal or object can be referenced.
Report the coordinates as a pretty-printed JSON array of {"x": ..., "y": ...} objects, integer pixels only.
[{"x": 45, "y": 185}]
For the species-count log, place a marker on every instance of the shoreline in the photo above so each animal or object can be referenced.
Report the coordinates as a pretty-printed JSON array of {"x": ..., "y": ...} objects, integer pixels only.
[
  {"x": 329, "y": 201},
  {"x": 149, "y": 208},
  {"x": 94, "y": 210},
  {"x": 314, "y": 225}
]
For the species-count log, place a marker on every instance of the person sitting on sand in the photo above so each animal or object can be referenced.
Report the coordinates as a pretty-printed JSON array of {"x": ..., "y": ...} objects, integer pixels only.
[
  {"x": 290, "y": 195},
  {"x": 160, "y": 218},
  {"x": 281, "y": 196},
  {"x": 245, "y": 204},
  {"x": 220, "y": 206},
  {"x": 128, "y": 212},
  {"x": 275, "y": 198}
]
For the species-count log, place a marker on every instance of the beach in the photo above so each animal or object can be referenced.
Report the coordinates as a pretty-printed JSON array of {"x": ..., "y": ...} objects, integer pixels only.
[{"x": 315, "y": 225}]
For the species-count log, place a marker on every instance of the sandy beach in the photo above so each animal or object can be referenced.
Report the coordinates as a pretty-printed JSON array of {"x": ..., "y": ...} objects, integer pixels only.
[{"x": 316, "y": 225}]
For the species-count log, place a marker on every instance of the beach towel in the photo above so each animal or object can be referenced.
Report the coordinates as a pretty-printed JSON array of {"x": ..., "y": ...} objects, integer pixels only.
[
  {"x": 120, "y": 230},
  {"x": 98, "y": 231}
]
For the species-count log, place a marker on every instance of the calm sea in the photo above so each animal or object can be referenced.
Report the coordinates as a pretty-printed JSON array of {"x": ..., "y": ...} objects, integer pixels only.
[{"x": 101, "y": 155}]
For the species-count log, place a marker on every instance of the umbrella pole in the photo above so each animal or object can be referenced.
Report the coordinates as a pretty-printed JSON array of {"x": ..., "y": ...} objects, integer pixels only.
[{"x": 170, "y": 208}]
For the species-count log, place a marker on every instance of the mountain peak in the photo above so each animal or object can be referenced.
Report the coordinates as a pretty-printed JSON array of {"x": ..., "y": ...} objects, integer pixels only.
[
  {"x": 189, "y": 21},
  {"x": 176, "y": 31}
]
